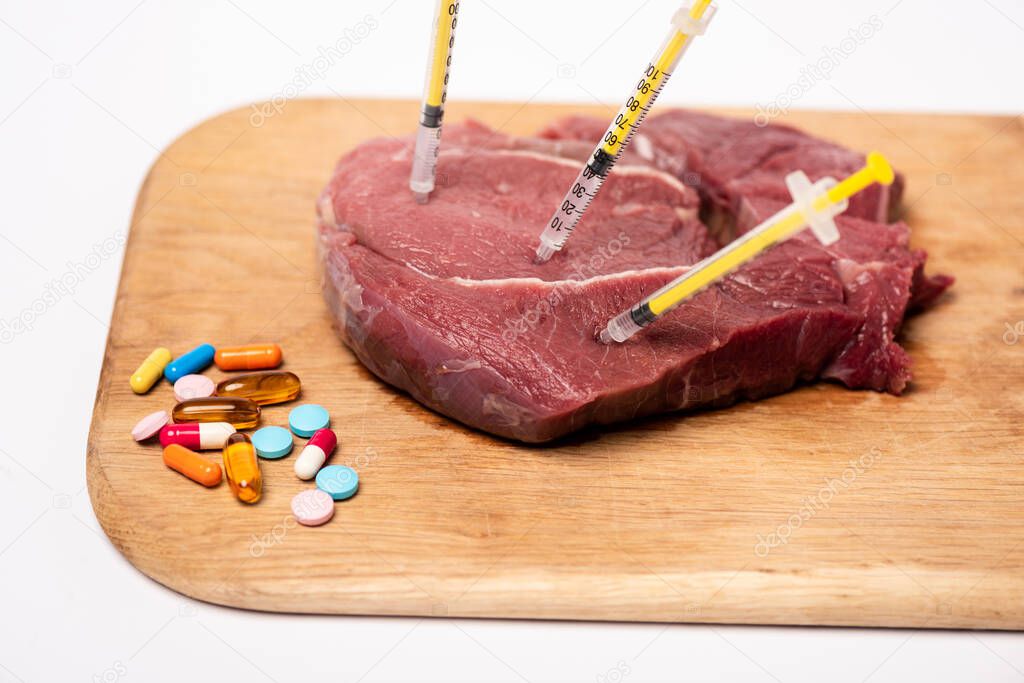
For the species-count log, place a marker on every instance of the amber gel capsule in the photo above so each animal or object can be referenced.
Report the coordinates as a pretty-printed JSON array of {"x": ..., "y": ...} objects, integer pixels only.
[
  {"x": 263, "y": 388},
  {"x": 249, "y": 357},
  {"x": 240, "y": 413},
  {"x": 242, "y": 468}
]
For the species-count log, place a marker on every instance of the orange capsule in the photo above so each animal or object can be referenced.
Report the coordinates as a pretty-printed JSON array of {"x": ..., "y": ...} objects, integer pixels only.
[
  {"x": 243, "y": 468},
  {"x": 249, "y": 357},
  {"x": 192, "y": 465}
]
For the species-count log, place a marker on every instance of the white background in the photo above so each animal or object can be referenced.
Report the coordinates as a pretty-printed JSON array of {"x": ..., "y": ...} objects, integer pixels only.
[{"x": 91, "y": 91}]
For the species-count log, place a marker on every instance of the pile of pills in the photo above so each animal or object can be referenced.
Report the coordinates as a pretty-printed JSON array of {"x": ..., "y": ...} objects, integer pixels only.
[{"x": 209, "y": 416}]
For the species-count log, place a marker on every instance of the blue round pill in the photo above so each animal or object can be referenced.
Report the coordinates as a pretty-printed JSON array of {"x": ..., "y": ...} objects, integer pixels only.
[
  {"x": 272, "y": 442},
  {"x": 339, "y": 481},
  {"x": 306, "y": 420}
]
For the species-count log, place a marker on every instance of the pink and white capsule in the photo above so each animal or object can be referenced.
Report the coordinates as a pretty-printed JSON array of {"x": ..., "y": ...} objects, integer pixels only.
[
  {"x": 315, "y": 454},
  {"x": 202, "y": 436}
]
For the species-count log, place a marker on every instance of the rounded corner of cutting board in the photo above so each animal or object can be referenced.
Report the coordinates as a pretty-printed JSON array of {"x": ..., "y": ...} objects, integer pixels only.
[
  {"x": 108, "y": 509},
  {"x": 225, "y": 115},
  {"x": 163, "y": 157}
]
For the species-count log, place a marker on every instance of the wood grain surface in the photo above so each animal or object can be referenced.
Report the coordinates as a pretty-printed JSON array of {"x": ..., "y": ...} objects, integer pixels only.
[{"x": 822, "y": 506}]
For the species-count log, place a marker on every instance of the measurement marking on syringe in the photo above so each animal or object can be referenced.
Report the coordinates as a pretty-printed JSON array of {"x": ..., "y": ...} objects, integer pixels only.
[
  {"x": 428, "y": 137},
  {"x": 688, "y": 22}
]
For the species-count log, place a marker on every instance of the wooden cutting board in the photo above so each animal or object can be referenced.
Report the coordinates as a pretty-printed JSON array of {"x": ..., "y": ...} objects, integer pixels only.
[{"x": 822, "y": 506}]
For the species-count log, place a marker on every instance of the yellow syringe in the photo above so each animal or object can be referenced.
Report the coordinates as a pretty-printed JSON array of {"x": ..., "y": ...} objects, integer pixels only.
[
  {"x": 691, "y": 20},
  {"x": 428, "y": 137},
  {"x": 813, "y": 206}
]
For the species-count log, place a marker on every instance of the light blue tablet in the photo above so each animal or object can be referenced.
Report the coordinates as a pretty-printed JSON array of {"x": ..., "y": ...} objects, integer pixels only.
[
  {"x": 305, "y": 420},
  {"x": 339, "y": 481},
  {"x": 272, "y": 442}
]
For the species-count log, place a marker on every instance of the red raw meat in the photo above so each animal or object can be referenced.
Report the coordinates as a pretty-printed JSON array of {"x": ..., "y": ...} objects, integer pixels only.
[{"x": 444, "y": 301}]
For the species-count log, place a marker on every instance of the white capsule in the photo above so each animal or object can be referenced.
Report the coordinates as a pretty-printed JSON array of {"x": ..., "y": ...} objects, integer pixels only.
[{"x": 214, "y": 434}]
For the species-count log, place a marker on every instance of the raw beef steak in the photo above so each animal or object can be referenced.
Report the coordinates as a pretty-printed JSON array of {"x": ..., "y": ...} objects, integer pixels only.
[{"x": 445, "y": 302}]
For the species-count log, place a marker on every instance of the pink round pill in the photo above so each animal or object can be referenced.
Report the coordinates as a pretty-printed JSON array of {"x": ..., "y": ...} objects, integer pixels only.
[
  {"x": 148, "y": 426},
  {"x": 313, "y": 507},
  {"x": 193, "y": 386}
]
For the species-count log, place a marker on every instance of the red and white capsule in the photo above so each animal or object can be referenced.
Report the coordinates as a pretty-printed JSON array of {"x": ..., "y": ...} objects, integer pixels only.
[
  {"x": 202, "y": 436},
  {"x": 315, "y": 454}
]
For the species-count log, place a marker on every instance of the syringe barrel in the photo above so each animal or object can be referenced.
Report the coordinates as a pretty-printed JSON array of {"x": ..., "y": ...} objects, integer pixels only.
[
  {"x": 424, "y": 163},
  {"x": 566, "y": 216},
  {"x": 629, "y": 117},
  {"x": 625, "y": 325},
  {"x": 632, "y": 320},
  {"x": 439, "y": 56},
  {"x": 656, "y": 76},
  {"x": 621, "y": 130},
  {"x": 726, "y": 260},
  {"x": 435, "y": 92},
  {"x": 698, "y": 278}
]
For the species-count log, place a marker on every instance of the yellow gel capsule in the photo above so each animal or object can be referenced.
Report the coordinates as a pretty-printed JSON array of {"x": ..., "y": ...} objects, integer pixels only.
[
  {"x": 264, "y": 388},
  {"x": 151, "y": 370},
  {"x": 240, "y": 413},
  {"x": 242, "y": 468}
]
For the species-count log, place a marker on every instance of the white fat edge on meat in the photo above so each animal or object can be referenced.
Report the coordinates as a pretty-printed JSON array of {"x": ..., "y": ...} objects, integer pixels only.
[
  {"x": 458, "y": 365},
  {"x": 606, "y": 277},
  {"x": 741, "y": 278},
  {"x": 465, "y": 365},
  {"x": 643, "y": 146},
  {"x": 569, "y": 389},
  {"x": 619, "y": 169},
  {"x": 325, "y": 207},
  {"x": 644, "y": 149},
  {"x": 506, "y": 281},
  {"x": 511, "y": 413}
]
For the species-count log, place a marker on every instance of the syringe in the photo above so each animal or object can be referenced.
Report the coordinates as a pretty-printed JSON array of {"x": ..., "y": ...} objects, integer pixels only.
[
  {"x": 689, "y": 21},
  {"x": 813, "y": 205},
  {"x": 428, "y": 138}
]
